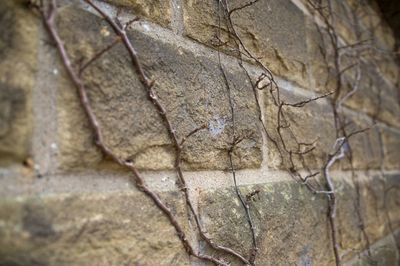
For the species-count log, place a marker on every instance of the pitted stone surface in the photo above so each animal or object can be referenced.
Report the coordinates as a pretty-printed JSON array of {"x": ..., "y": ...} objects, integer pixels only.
[
  {"x": 191, "y": 88},
  {"x": 375, "y": 97},
  {"x": 291, "y": 223},
  {"x": 272, "y": 31},
  {"x": 365, "y": 147},
  {"x": 90, "y": 229},
  {"x": 305, "y": 127}
]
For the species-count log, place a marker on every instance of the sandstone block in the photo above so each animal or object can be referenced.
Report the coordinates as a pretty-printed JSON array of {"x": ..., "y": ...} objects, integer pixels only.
[
  {"x": 391, "y": 143},
  {"x": 272, "y": 31},
  {"x": 374, "y": 27},
  {"x": 320, "y": 52},
  {"x": 311, "y": 124},
  {"x": 365, "y": 147},
  {"x": 18, "y": 49},
  {"x": 158, "y": 11},
  {"x": 89, "y": 229},
  {"x": 284, "y": 214},
  {"x": 368, "y": 45},
  {"x": 374, "y": 96},
  {"x": 191, "y": 88},
  {"x": 384, "y": 252}
]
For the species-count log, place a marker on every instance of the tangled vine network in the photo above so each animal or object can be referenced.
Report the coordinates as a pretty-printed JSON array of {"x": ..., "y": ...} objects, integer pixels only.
[{"x": 317, "y": 182}]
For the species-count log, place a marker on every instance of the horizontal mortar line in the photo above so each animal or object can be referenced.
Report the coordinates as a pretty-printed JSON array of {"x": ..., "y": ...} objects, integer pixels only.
[
  {"x": 167, "y": 36},
  {"x": 302, "y": 7},
  {"x": 163, "y": 181}
]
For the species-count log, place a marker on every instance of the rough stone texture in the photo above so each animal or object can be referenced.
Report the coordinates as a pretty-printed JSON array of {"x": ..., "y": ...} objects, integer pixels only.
[
  {"x": 373, "y": 27},
  {"x": 89, "y": 229},
  {"x": 272, "y": 31},
  {"x": 319, "y": 53},
  {"x": 158, "y": 11},
  {"x": 358, "y": 21},
  {"x": 387, "y": 67},
  {"x": 382, "y": 195},
  {"x": 385, "y": 252},
  {"x": 291, "y": 223},
  {"x": 101, "y": 222},
  {"x": 374, "y": 96},
  {"x": 282, "y": 214},
  {"x": 355, "y": 21},
  {"x": 379, "y": 74},
  {"x": 18, "y": 46},
  {"x": 191, "y": 88},
  {"x": 344, "y": 22},
  {"x": 365, "y": 147},
  {"x": 305, "y": 127},
  {"x": 391, "y": 143}
]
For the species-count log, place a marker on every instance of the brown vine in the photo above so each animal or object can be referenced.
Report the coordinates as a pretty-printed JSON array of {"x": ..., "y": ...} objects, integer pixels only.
[
  {"x": 341, "y": 147},
  {"x": 48, "y": 14},
  {"x": 265, "y": 82}
]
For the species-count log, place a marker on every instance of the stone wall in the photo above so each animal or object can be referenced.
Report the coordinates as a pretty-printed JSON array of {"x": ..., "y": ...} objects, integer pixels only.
[{"x": 63, "y": 202}]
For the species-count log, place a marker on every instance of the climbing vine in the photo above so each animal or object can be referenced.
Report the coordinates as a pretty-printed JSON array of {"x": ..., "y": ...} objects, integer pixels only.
[{"x": 318, "y": 182}]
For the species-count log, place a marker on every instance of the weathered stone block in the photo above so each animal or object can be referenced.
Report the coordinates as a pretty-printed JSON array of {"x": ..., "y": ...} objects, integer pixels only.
[
  {"x": 384, "y": 252},
  {"x": 191, "y": 88},
  {"x": 273, "y": 31},
  {"x": 374, "y": 96},
  {"x": 348, "y": 20},
  {"x": 320, "y": 52},
  {"x": 380, "y": 201},
  {"x": 354, "y": 21},
  {"x": 344, "y": 21},
  {"x": 89, "y": 229},
  {"x": 311, "y": 124},
  {"x": 18, "y": 49},
  {"x": 372, "y": 26},
  {"x": 158, "y": 11},
  {"x": 377, "y": 218},
  {"x": 391, "y": 143},
  {"x": 281, "y": 213},
  {"x": 365, "y": 147},
  {"x": 284, "y": 214},
  {"x": 387, "y": 67}
]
